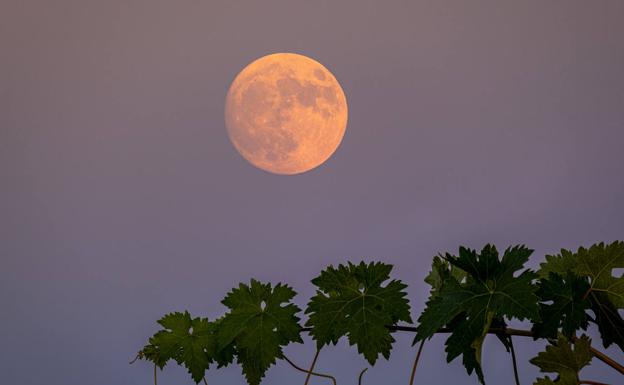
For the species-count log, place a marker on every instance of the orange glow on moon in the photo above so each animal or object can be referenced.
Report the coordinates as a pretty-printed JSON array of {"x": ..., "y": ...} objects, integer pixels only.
[{"x": 286, "y": 113}]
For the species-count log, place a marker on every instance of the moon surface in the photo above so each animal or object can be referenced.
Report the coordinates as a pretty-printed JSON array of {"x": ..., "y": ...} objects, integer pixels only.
[{"x": 286, "y": 113}]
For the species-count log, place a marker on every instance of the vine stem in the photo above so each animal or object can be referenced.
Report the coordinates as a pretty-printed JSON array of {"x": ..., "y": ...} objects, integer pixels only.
[
  {"x": 518, "y": 332},
  {"x": 510, "y": 332},
  {"x": 312, "y": 367},
  {"x": 306, "y": 371},
  {"x": 412, "y": 329},
  {"x": 361, "y": 375},
  {"x": 607, "y": 360},
  {"x": 420, "y": 348},
  {"x": 513, "y": 360}
]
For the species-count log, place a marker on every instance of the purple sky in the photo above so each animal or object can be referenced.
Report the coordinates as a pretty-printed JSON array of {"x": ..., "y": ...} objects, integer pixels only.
[{"x": 121, "y": 197}]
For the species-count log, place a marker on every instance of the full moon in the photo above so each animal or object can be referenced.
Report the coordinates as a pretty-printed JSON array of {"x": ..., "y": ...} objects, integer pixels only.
[{"x": 286, "y": 113}]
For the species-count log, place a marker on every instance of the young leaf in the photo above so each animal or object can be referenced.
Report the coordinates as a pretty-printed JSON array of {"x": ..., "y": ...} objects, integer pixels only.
[
  {"x": 260, "y": 322},
  {"x": 152, "y": 353},
  {"x": 189, "y": 341},
  {"x": 441, "y": 270},
  {"x": 490, "y": 291},
  {"x": 352, "y": 300},
  {"x": 568, "y": 308},
  {"x": 560, "y": 358}
]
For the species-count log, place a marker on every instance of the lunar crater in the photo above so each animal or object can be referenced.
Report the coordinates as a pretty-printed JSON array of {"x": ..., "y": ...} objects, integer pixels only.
[{"x": 286, "y": 113}]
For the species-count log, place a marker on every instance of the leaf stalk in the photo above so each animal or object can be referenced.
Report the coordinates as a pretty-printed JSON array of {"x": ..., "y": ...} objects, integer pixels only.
[
  {"x": 361, "y": 375},
  {"x": 312, "y": 367},
  {"x": 413, "y": 375},
  {"x": 513, "y": 360},
  {"x": 306, "y": 371}
]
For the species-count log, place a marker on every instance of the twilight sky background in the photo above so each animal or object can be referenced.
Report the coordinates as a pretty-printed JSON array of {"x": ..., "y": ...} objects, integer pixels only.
[{"x": 121, "y": 197}]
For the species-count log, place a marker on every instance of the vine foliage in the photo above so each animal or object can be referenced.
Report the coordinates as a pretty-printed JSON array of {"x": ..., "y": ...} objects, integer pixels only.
[{"x": 473, "y": 294}]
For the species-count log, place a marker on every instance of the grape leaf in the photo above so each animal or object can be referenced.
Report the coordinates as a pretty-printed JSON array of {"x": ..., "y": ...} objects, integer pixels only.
[
  {"x": 560, "y": 358},
  {"x": 606, "y": 292},
  {"x": 189, "y": 341},
  {"x": 224, "y": 353},
  {"x": 441, "y": 270},
  {"x": 352, "y": 301},
  {"x": 598, "y": 263},
  {"x": 260, "y": 322},
  {"x": 545, "y": 381},
  {"x": 609, "y": 321},
  {"x": 561, "y": 264},
  {"x": 568, "y": 308},
  {"x": 467, "y": 340},
  {"x": 489, "y": 292},
  {"x": 152, "y": 353}
]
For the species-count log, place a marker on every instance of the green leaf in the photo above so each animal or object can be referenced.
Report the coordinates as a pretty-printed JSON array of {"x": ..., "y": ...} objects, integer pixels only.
[
  {"x": 491, "y": 291},
  {"x": 606, "y": 292},
  {"x": 598, "y": 263},
  {"x": 561, "y": 264},
  {"x": 610, "y": 323},
  {"x": 353, "y": 301},
  {"x": 152, "y": 353},
  {"x": 189, "y": 341},
  {"x": 224, "y": 353},
  {"x": 467, "y": 340},
  {"x": 560, "y": 358},
  {"x": 544, "y": 381},
  {"x": 260, "y": 322},
  {"x": 441, "y": 270},
  {"x": 568, "y": 306}
]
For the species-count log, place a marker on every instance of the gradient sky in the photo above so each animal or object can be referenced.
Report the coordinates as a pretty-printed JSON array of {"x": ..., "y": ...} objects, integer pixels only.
[{"x": 121, "y": 197}]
